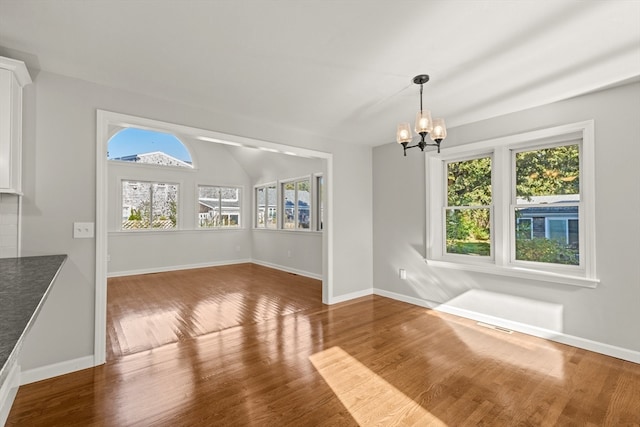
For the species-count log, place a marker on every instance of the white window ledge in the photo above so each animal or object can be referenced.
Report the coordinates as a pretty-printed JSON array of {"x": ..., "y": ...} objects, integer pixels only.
[{"x": 519, "y": 272}]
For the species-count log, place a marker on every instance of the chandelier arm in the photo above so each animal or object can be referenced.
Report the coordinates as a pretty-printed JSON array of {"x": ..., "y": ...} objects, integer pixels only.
[{"x": 421, "y": 145}]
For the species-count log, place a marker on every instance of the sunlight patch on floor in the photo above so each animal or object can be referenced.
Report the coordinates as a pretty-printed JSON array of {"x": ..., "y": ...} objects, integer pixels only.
[
  {"x": 368, "y": 397},
  {"x": 540, "y": 355}
]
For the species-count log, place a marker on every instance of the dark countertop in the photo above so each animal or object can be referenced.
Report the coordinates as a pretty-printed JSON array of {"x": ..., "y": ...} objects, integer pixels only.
[{"x": 24, "y": 286}]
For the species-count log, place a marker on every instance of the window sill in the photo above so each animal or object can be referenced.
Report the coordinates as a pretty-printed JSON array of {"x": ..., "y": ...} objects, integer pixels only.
[
  {"x": 519, "y": 272},
  {"x": 287, "y": 231},
  {"x": 174, "y": 230}
]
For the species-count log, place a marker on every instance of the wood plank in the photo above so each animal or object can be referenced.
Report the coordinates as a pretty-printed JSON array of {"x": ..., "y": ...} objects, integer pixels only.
[{"x": 248, "y": 345}]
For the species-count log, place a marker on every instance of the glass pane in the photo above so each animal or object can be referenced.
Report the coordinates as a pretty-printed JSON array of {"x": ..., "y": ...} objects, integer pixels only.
[
  {"x": 557, "y": 230},
  {"x": 272, "y": 203},
  {"x": 573, "y": 232},
  {"x": 136, "y": 205},
  {"x": 230, "y": 198},
  {"x": 553, "y": 237},
  {"x": 468, "y": 231},
  {"x": 469, "y": 182},
  {"x": 208, "y": 206},
  {"x": 164, "y": 205},
  {"x": 260, "y": 202},
  {"x": 150, "y": 147},
  {"x": 524, "y": 229},
  {"x": 289, "y": 194},
  {"x": 320, "y": 204},
  {"x": 304, "y": 203},
  {"x": 549, "y": 175}
]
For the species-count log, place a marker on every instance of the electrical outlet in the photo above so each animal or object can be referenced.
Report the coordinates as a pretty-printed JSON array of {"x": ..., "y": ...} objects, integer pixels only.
[
  {"x": 83, "y": 230},
  {"x": 403, "y": 274}
]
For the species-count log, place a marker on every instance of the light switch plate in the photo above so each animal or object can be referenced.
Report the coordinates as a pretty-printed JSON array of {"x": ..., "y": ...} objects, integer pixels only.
[{"x": 83, "y": 230}]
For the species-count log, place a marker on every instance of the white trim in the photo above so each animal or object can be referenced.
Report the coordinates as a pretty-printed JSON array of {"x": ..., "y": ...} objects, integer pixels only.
[
  {"x": 164, "y": 269},
  {"x": 288, "y": 269},
  {"x": 56, "y": 369},
  {"x": 8, "y": 392},
  {"x": 405, "y": 298},
  {"x": 351, "y": 296},
  {"x": 254, "y": 204},
  {"x": 572, "y": 340},
  {"x": 103, "y": 121},
  {"x": 107, "y": 119},
  {"x": 146, "y": 231},
  {"x": 18, "y": 68}
]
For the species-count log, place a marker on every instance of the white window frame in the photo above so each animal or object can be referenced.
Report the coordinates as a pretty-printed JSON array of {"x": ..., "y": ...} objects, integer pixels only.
[
  {"x": 295, "y": 181},
  {"x": 240, "y": 207},
  {"x": 151, "y": 182},
  {"x": 445, "y": 205},
  {"x": 317, "y": 201},
  {"x": 503, "y": 218},
  {"x": 266, "y": 195}
]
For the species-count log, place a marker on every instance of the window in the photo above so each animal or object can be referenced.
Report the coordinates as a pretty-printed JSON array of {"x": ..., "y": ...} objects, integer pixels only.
[
  {"x": 296, "y": 202},
  {"x": 148, "y": 147},
  {"x": 547, "y": 193},
  {"x": 266, "y": 199},
  {"x": 468, "y": 208},
  {"x": 218, "y": 207},
  {"x": 149, "y": 205},
  {"x": 520, "y": 205},
  {"x": 301, "y": 204},
  {"x": 319, "y": 203}
]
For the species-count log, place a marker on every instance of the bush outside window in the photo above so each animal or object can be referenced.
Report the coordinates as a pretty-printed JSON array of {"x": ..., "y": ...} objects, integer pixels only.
[
  {"x": 468, "y": 211},
  {"x": 547, "y": 188}
]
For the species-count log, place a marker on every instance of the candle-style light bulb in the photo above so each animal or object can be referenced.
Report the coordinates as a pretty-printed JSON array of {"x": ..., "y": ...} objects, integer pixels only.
[{"x": 403, "y": 135}]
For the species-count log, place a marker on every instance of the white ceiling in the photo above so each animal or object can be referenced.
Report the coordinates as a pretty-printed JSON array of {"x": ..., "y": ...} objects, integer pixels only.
[{"x": 340, "y": 69}]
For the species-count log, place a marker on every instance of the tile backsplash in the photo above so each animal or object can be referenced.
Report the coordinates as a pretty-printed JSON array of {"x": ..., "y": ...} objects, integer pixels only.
[{"x": 9, "y": 218}]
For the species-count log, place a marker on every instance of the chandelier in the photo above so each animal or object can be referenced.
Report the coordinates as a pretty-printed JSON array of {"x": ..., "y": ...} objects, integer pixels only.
[{"x": 424, "y": 125}]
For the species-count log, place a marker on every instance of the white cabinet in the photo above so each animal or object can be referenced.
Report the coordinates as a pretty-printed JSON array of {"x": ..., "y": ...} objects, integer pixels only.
[{"x": 13, "y": 77}]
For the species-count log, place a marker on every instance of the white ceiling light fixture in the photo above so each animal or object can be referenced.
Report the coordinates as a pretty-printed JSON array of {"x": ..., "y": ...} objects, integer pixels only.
[{"x": 424, "y": 125}]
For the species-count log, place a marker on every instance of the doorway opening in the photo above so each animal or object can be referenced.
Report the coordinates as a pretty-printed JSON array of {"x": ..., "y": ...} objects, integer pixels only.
[{"x": 109, "y": 124}]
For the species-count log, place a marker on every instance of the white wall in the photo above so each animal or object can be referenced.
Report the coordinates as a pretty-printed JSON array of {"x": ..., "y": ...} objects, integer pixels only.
[
  {"x": 606, "y": 315},
  {"x": 9, "y": 211},
  {"x": 60, "y": 180},
  {"x": 152, "y": 251},
  {"x": 291, "y": 250}
]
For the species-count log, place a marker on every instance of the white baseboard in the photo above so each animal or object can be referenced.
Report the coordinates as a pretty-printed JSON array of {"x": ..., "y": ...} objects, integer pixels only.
[
  {"x": 176, "y": 267},
  {"x": 287, "y": 269},
  {"x": 8, "y": 392},
  {"x": 214, "y": 264},
  {"x": 352, "y": 295},
  {"x": 586, "y": 344},
  {"x": 56, "y": 369},
  {"x": 404, "y": 298}
]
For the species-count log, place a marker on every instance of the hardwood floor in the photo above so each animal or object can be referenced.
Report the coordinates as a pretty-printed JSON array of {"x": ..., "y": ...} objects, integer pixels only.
[
  {"x": 256, "y": 347},
  {"x": 150, "y": 310}
]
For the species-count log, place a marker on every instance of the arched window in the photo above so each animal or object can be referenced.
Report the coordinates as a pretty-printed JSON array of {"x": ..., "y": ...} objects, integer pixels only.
[{"x": 150, "y": 147}]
